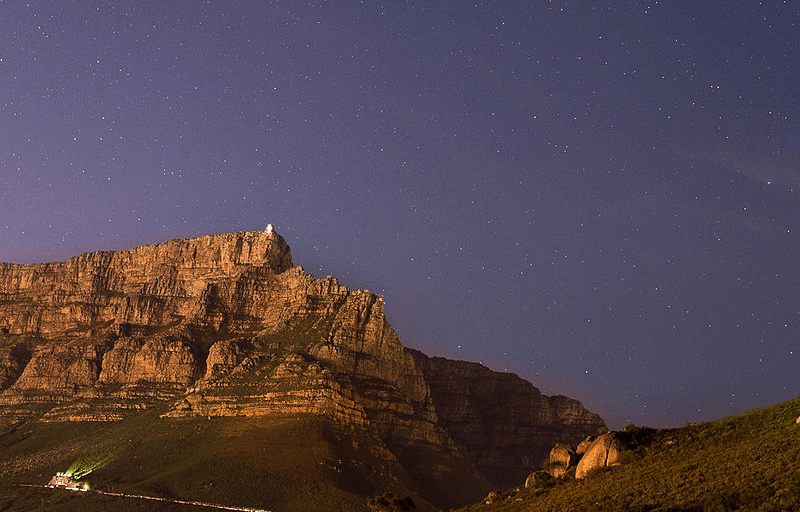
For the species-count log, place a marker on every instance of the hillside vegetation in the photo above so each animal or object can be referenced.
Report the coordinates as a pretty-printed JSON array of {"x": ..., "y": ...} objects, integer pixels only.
[
  {"x": 748, "y": 462},
  {"x": 292, "y": 463}
]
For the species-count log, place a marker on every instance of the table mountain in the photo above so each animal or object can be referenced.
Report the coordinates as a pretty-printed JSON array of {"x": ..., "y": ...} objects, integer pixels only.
[{"x": 225, "y": 326}]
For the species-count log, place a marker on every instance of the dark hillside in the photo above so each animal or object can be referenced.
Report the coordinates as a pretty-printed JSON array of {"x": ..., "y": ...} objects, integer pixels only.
[{"x": 746, "y": 462}]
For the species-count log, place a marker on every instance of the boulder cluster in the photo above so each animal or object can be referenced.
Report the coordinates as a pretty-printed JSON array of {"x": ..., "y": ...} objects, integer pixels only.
[{"x": 592, "y": 453}]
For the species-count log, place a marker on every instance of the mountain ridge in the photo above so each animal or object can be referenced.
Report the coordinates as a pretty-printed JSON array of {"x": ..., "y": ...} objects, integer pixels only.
[{"x": 225, "y": 326}]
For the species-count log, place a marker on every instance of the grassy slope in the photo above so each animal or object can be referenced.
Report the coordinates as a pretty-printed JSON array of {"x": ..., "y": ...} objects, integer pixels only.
[
  {"x": 746, "y": 462},
  {"x": 295, "y": 463}
]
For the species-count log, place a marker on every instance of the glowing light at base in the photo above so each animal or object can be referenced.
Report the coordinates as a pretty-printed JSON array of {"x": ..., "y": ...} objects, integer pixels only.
[{"x": 82, "y": 467}]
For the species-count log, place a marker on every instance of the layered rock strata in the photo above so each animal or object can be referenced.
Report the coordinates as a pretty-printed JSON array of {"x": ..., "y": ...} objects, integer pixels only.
[{"x": 225, "y": 325}]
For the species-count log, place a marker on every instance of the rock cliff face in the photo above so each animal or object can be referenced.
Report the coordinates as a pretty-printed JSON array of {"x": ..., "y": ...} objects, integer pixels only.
[
  {"x": 211, "y": 280},
  {"x": 225, "y": 325},
  {"x": 506, "y": 425}
]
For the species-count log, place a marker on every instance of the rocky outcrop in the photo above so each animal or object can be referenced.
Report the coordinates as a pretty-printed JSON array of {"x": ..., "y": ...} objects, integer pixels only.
[
  {"x": 223, "y": 357},
  {"x": 154, "y": 359},
  {"x": 584, "y": 445},
  {"x": 55, "y": 373},
  {"x": 13, "y": 360},
  {"x": 505, "y": 424},
  {"x": 603, "y": 452},
  {"x": 592, "y": 453},
  {"x": 225, "y": 326},
  {"x": 562, "y": 457}
]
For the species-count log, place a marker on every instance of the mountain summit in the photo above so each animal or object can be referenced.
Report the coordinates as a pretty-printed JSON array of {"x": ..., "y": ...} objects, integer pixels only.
[{"x": 222, "y": 333}]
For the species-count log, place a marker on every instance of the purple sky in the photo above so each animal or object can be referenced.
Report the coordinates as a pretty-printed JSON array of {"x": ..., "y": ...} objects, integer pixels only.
[{"x": 603, "y": 197}]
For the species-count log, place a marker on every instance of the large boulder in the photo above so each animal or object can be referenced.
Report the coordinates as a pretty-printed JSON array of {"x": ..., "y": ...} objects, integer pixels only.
[
  {"x": 603, "y": 452},
  {"x": 562, "y": 458},
  {"x": 584, "y": 445}
]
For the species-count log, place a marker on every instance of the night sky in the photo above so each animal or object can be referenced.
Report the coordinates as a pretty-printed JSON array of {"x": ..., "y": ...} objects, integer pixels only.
[{"x": 603, "y": 197}]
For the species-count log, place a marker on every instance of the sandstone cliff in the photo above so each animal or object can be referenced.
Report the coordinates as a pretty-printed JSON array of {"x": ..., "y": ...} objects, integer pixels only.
[{"x": 225, "y": 325}]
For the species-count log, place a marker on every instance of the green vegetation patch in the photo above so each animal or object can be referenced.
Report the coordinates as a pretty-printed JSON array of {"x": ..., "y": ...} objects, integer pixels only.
[{"x": 290, "y": 463}]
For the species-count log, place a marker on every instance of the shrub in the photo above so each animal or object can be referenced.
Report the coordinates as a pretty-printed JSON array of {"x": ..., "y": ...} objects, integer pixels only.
[
  {"x": 389, "y": 502},
  {"x": 543, "y": 480}
]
